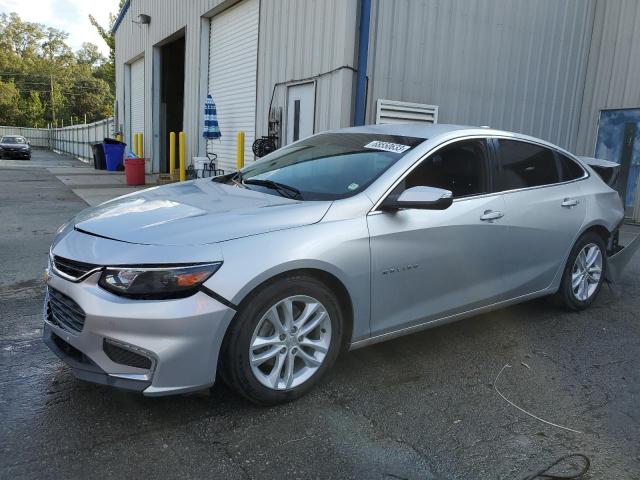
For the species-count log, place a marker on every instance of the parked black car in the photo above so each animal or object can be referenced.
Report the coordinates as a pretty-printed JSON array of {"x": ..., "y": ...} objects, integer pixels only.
[{"x": 15, "y": 146}]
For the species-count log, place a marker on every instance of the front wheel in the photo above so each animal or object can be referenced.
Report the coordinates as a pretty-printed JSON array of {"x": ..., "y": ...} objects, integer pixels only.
[
  {"x": 283, "y": 340},
  {"x": 584, "y": 273}
]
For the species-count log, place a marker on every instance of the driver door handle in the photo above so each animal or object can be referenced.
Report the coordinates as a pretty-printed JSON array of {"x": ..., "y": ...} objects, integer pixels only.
[
  {"x": 569, "y": 202},
  {"x": 491, "y": 215}
]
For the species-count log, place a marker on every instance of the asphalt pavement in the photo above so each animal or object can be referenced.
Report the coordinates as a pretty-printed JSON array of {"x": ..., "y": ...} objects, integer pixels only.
[{"x": 420, "y": 407}]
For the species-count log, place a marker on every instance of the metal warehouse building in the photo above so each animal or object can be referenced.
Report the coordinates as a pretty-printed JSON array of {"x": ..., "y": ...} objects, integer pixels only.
[{"x": 567, "y": 71}]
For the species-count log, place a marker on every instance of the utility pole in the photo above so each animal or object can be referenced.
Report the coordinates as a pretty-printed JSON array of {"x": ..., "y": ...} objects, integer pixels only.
[{"x": 53, "y": 108}]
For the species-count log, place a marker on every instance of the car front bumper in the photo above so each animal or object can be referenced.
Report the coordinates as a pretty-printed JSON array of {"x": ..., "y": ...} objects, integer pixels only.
[
  {"x": 180, "y": 338},
  {"x": 15, "y": 154}
]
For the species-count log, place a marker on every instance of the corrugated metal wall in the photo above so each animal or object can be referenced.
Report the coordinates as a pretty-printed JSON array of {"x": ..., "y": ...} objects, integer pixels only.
[
  {"x": 613, "y": 75},
  {"x": 132, "y": 39},
  {"x": 543, "y": 67},
  {"x": 233, "y": 57},
  {"x": 302, "y": 39},
  {"x": 512, "y": 64},
  {"x": 298, "y": 39}
]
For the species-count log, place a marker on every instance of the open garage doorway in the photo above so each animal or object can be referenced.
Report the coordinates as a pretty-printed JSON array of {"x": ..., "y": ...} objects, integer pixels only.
[{"x": 171, "y": 95}]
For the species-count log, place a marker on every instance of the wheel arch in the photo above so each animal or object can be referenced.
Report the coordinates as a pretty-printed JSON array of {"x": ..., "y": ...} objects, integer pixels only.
[
  {"x": 600, "y": 230},
  {"x": 595, "y": 227},
  {"x": 327, "y": 278}
]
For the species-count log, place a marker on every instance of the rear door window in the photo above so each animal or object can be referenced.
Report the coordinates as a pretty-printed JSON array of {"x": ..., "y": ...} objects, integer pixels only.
[{"x": 526, "y": 165}]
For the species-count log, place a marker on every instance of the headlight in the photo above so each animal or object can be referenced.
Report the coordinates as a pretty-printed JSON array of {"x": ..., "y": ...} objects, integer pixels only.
[{"x": 156, "y": 283}]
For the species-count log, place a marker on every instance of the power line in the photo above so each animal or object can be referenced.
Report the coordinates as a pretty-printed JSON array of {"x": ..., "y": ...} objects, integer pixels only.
[
  {"x": 44, "y": 75},
  {"x": 66, "y": 94},
  {"x": 64, "y": 89}
]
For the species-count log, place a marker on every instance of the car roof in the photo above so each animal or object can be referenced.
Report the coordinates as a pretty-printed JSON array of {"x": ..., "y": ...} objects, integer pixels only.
[
  {"x": 443, "y": 131},
  {"x": 11, "y": 136},
  {"x": 418, "y": 130}
]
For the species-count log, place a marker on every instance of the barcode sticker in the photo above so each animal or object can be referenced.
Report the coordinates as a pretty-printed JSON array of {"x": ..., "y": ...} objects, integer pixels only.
[{"x": 387, "y": 146}]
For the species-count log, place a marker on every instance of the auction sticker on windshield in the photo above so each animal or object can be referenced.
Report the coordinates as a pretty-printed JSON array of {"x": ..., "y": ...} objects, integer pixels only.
[{"x": 387, "y": 146}]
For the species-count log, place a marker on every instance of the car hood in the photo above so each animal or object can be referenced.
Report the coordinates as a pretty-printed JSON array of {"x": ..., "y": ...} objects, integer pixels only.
[
  {"x": 195, "y": 213},
  {"x": 14, "y": 145}
]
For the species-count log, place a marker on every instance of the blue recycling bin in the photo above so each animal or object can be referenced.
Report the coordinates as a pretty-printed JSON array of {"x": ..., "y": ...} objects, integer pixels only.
[{"x": 114, "y": 154}]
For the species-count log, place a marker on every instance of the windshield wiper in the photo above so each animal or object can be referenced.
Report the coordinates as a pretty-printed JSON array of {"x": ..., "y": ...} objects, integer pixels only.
[{"x": 285, "y": 190}]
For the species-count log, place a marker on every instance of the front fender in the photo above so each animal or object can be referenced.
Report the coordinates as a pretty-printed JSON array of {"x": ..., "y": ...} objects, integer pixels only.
[{"x": 340, "y": 248}]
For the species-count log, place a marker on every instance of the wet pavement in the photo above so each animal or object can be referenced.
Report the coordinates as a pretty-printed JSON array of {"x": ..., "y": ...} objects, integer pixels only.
[{"x": 419, "y": 407}]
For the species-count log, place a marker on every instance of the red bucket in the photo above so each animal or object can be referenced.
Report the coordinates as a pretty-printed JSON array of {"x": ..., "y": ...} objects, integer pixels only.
[{"x": 134, "y": 171}]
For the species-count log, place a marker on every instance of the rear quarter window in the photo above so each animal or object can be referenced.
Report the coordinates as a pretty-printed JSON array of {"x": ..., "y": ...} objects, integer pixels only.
[
  {"x": 526, "y": 165},
  {"x": 569, "y": 168}
]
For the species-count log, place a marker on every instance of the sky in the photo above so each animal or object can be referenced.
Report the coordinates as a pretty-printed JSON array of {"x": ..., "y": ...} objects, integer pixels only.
[{"x": 72, "y": 16}]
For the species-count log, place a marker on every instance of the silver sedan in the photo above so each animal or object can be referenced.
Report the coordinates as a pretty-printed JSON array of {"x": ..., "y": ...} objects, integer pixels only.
[{"x": 335, "y": 242}]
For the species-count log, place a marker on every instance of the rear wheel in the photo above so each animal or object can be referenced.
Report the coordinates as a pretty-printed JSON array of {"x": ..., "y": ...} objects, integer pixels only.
[
  {"x": 283, "y": 340},
  {"x": 584, "y": 272}
]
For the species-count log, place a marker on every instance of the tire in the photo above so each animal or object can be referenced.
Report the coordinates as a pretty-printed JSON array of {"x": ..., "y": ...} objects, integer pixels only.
[
  {"x": 292, "y": 371},
  {"x": 581, "y": 296}
]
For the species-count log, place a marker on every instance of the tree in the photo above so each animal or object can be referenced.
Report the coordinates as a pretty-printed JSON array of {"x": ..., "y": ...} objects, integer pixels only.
[
  {"x": 18, "y": 37},
  {"x": 90, "y": 55},
  {"x": 54, "y": 46},
  {"x": 32, "y": 110},
  {"x": 42, "y": 78},
  {"x": 107, "y": 70},
  {"x": 9, "y": 99}
]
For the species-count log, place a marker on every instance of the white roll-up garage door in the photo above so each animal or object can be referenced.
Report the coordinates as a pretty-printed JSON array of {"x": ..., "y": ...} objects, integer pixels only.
[
  {"x": 136, "y": 120},
  {"x": 233, "y": 57}
]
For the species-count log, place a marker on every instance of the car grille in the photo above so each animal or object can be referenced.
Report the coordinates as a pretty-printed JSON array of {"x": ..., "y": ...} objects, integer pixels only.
[
  {"x": 72, "y": 268},
  {"x": 124, "y": 356},
  {"x": 64, "y": 312}
]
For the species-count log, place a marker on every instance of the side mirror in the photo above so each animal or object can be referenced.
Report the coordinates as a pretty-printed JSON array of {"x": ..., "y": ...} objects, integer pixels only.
[{"x": 424, "y": 198}]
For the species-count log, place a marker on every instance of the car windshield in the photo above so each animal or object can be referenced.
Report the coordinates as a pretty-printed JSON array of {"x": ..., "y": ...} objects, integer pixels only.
[
  {"x": 328, "y": 166},
  {"x": 12, "y": 140}
]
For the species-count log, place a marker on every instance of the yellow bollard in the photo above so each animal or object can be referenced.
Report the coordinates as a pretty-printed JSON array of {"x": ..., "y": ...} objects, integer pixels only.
[
  {"x": 183, "y": 173},
  {"x": 135, "y": 144},
  {"x": 141, "y": 145},
  {"x": 172, "y": 153},
  {"x": 240, "y": 150}
]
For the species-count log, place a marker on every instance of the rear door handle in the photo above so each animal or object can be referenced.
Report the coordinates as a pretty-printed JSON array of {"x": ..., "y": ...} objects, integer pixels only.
[
  {"x": 491, "y": 215},
  {"x": 569, "y": 202}
]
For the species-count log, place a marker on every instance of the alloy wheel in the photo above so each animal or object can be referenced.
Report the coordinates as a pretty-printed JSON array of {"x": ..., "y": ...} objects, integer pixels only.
[
  {"x": 290, "y": 342},
  {"x": 587, "y": 272}
]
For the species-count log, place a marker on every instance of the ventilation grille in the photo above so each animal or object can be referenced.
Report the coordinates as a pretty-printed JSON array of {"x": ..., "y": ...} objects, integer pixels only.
[
  {"x": 72, "y": 268},
  {"x": 124, "y": 356},
  {"x": 64, "y": 312},
  {"x": 392, "y": 111}
]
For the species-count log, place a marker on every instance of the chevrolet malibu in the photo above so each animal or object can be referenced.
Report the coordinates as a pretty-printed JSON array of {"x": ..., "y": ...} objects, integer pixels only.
[{"x": 335, "y": 242}]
